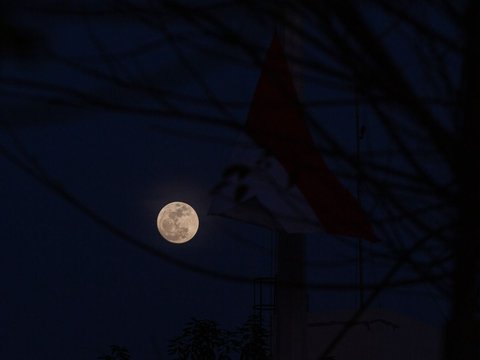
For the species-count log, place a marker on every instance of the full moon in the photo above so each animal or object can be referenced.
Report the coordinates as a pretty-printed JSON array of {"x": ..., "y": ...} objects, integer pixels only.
[{"x": 177, "y": 222}]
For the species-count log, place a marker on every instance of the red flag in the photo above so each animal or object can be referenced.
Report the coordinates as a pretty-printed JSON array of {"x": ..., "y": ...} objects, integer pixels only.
[{"x": 308, "y": 188}]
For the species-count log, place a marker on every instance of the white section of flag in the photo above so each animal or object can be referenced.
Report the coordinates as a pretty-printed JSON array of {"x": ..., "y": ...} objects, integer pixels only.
[{"x": 268, "y": 200}]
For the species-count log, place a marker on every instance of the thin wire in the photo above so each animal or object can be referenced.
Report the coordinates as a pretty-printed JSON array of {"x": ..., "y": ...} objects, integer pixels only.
[{"x": 358, "y": 135}]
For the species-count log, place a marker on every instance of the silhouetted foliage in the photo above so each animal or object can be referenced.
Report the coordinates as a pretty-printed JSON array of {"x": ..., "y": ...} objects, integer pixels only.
[
  {"x": 201, "y": 339},
  {"x": 17, "y": 41},
  {"x": 205, "y": 340},
  {"x": 116, "y": 353},
  {"x": 252, "y": 337}
]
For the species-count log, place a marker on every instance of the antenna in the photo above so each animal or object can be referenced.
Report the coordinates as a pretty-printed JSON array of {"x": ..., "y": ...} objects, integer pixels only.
[{"x": 359, "y": 132}]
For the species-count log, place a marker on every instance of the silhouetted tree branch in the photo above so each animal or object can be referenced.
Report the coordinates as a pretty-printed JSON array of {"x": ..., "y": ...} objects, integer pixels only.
[{"x": 413, "y": 64}]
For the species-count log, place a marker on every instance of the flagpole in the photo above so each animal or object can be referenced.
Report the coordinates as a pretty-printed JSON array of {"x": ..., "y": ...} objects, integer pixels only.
[{"x": 291, "y": 299}]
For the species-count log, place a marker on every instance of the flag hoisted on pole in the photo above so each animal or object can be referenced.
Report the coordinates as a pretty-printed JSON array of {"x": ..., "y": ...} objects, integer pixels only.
[{"x": 277, "y": 177}]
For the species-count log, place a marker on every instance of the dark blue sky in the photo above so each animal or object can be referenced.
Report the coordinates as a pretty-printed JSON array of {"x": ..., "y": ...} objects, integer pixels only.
[{"x": 69, "y": 286}]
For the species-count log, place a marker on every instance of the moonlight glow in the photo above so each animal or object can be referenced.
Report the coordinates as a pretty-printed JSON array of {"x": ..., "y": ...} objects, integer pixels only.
[{"x": 177, "y": 222}]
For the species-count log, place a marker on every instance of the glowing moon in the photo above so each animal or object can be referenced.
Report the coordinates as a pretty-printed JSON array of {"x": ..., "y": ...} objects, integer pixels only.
[{"x": 177, "y": 222}]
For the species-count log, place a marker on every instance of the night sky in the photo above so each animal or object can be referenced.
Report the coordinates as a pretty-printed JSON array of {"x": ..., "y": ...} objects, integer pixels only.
[{"x": 70, "y": 286}]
